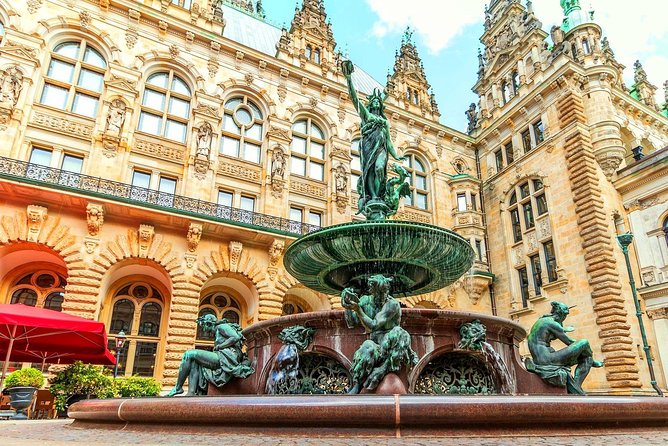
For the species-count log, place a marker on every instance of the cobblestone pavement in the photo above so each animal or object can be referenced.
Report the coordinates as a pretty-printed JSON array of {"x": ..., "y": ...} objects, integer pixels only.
[{"x": 60, "y": 432}]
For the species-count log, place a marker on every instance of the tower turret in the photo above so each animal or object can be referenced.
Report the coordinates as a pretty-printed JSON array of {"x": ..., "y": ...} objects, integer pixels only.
[
  {"x": 642, "y": 89},
  {"x": 408, "y": 84}
]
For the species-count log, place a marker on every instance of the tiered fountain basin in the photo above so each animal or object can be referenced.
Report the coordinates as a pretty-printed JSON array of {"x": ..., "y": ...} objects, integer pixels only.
[{"x": 421, "y": 258}]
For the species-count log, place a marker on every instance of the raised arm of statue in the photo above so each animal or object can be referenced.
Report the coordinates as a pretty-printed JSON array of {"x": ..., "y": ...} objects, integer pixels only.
[{"x": 348, "y": 68}]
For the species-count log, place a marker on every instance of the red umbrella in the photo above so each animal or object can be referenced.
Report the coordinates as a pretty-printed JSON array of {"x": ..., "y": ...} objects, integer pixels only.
[{"x": 28, "y": 333}]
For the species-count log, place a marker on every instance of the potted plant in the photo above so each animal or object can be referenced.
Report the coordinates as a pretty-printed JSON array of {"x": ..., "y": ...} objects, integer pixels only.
[
  {"x": 21, "y": 386},
  {"x": 78, "y": 382}
]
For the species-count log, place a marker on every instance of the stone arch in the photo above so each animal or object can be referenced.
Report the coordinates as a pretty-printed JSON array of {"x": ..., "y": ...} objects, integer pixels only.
[
  {"x": 145, "y": 244},
  {"x": 438, "y": 300},
  {"x": 234, "y": 87},
  {"x": 57, "y": 29},
  {"x": 35, "y": 226},
  {"x": 308, "y": 299},
  {"x": 315, "y": 112},
  {"x": 155, "y": 60},
  {"x": 284, "y": 283},
  {"x": 519, "y": 178},
  {"x": 425, "y": 153}
]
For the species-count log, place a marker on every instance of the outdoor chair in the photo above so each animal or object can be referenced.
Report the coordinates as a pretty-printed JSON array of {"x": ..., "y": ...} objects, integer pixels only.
[{"x": 43, "y": 406}]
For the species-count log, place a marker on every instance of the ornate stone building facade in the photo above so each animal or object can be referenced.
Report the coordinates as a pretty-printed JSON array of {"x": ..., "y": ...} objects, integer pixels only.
[{"x": 157, "y": 157}]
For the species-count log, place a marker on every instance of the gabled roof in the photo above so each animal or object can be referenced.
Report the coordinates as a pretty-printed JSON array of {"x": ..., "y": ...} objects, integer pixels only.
[{"x": 263, "y": 36}]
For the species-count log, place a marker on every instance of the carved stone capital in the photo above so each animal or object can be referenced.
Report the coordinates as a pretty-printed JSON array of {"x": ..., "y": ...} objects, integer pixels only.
[
  {"x": 194, "y": 236},
  {"x": 658, "y": 313},
  {"x": 235, "y": 255},
  {"x": 94, "y": 218},
  {"x": 146, "y": 234},
  {"x": 36, "y": 216}
]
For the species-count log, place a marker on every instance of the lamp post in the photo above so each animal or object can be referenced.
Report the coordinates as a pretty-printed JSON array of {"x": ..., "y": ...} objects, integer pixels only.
[
  {"x": 625, "y": 239},
  {"x": 120, "y": 342}
]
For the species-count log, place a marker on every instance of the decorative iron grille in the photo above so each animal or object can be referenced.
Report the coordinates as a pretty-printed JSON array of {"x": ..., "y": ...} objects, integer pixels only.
[
  {"x": 61, "y": 179},
  {"x": 318, "y": 375},
  {"x": 456, "y": 374}
]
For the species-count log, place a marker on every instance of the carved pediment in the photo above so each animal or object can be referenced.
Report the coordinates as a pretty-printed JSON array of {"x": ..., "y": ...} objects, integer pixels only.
[
  {"x": 122, "y": 84},
  {"x": 21, "y": 52},
  {"x": 207, "y": 110}
]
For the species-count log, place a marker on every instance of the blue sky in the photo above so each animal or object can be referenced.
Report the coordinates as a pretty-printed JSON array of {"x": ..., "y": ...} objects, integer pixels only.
[{"x": 447, "y": 34}]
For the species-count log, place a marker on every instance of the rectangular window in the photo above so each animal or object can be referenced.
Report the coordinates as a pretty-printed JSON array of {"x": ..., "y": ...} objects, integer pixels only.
[
  {"x": 536, "y": 271},
  {"x": 461, "y": 202},
  {"x": 524, "y": 190},
  {"x": 150, "y": 123},
  {"x": 72, "y": 164},
  {"x": 230, "y": 147},
  {"x": 421, "y": 201},
  {"x": 40, "y": 156},
  {"x": 316, "y": 171},
  {"x": 252, "y": 153},
  {"x": 538, "y": 132},
  {"x": 528, "y": 215},
  {"x": 296, "y": 214},
  {"x": 54, "y": 96},
  {"x": 550, "y": 261},
  {"x": 85, "y": 105},
  {"x": 141, "y": 179},
  {"x": 474, "y": 204},
  {"x": 541, "y": 204},
  {"x": 498, "y": 156},
  {"x": 167, "y": 185},
  {"x": 524, "y": 286},
  {"x": 176, "y": 131},
  {"x": 356, "y": 163},
  {"x": 247, "y": 203},
  {"x": 144, "y": 362},
  {"x": 510, "y": 156},
  {"x": 478, "y": 249},
  {"x": 298, "y": 166},
  {"x": 517, "y": 228},
  {"x": 315, "y": 219},
  {"x": 225, "y": 198},
  {"x": 526, "y": 141}
]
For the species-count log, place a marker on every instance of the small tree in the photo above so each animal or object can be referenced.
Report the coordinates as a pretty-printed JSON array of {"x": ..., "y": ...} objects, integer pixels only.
[
  {"x": 25, "y": 378},
  {"x": 79, "y": 379}
]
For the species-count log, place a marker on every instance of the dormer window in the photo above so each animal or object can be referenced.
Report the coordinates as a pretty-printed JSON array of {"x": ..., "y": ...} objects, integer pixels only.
[
  {"x": 309, "y": 52},
  {"x": 316, "y": 56}
]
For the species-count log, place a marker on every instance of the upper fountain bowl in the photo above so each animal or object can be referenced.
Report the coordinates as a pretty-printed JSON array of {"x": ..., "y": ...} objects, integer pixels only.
[{"x": 420, "y": 258}]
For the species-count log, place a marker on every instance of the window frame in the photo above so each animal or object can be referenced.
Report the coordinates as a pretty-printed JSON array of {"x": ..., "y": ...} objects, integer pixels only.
[
  {"x": 129, "y": 354},
  {"x": 73, "y": 87},
  {"x": 309, "y": 140},
  {"x": 165, "y": 115},
  {"x": 243, "y": 139},
  {"x": 415, "y": 173}
]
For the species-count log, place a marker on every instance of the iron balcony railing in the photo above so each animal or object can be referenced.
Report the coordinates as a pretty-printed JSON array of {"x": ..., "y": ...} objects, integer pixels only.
[{"x": 99, "y": 187}]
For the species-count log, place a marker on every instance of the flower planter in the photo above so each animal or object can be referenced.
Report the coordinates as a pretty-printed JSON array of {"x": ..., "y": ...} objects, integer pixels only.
[{"x": 20, "y": 400}]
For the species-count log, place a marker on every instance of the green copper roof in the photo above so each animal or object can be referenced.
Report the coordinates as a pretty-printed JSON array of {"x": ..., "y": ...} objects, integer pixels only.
[{"x": 574, "y": 15}]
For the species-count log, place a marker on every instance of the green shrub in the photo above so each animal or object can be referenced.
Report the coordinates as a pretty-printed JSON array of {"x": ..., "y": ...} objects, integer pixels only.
[
  {"x": 90, "y": 380},
  {"x": 25, "y": 378},
  {"x": 79, "y": 379},
  {"x": 136, "y": 387}
]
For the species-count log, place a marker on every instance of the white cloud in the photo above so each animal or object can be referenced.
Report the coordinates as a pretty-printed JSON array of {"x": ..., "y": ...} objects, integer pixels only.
[
  {"x": 436, "y": 21},
  {"x": 636, "y": 30}
]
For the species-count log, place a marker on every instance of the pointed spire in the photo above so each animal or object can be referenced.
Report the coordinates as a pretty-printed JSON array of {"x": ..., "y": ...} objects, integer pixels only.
[
  {"x": 639, "y": 74},
  {"x": 665, "y": 95},
  {"x": 408, "y": 83}
]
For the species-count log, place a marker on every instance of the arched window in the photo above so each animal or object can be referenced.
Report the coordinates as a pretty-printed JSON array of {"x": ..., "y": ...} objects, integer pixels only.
[
  {"x": 355, "y": 163},
  {"x": 242, "y": 130},
  {"x": 221, "y": 305},
  {"x": 290, "y": 308},
  {"x": 516, "y": 83},
  {"x": 586, "y": 48},
  {"x": 419, "y": 196},
  {"x": 137, "y": 311},
  {"x": 42, "y": 289},
  {"x": 75, "y": 78},
  {"x": 308, "y": 150},
  {"x": 527, "y": 205},
  {"x": 165, "y": 106},
  {"x": 505, "y": 90}
]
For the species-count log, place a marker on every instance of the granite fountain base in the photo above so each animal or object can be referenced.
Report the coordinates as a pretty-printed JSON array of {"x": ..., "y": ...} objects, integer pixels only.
[{"x": 528, "y": 406}]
